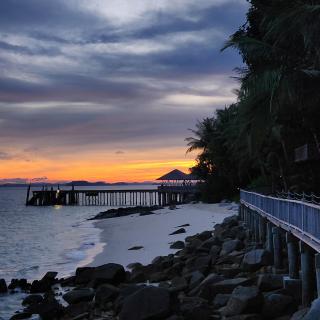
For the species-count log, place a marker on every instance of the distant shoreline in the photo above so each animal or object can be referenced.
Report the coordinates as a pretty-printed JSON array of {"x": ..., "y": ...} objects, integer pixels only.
[{"x": 75, "y": 184}]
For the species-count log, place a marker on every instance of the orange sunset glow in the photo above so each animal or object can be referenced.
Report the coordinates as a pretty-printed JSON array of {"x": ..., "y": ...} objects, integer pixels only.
[{"x": 129, "y": 167}]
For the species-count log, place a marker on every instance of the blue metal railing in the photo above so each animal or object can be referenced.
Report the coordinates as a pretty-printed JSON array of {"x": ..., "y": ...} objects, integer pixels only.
[{"x": 297, "y": 214}]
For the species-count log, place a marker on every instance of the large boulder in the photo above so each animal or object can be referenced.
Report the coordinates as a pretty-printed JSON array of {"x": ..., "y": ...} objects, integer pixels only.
[
  {"x": 32, "y": 299},
  {"x": 195, "y": 279},
  {"x": 79, "y": 295},
  {"x": 44, "y": 284},
  {"x": 111, "y": 273},
  {"x": 220, "y": 300},
  {"x": 205, "y": 284},
  {"x": 243, "y": 300},
  {"x": 21, "y": 315},
  {"x": 48, "y": 309},
  {"x": 3, "y": 286},
  {"x": 105, "y": 293},
  {"x": 276, "y": 305},
  {"x": 231, "y": 245},
  {"x": 195, "y": 308},
  {"x": 314, "y": 312},
  {"x": 255, "y": 259},
  {"x": 148, "y": 303},
  {"x": 228, "y": 285},
  {"x": 270, "y": 282}
]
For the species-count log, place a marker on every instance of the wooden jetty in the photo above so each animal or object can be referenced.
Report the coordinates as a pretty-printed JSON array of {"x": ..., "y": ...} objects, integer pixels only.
[
  {"x": 290, "y": 230},
  {"x": 163, "y": 195},
  {"x": 176, "y": 187}
]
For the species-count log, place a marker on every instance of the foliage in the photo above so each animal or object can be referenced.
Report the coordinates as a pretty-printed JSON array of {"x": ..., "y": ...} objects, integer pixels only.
[{"x": 252, "y": 142}]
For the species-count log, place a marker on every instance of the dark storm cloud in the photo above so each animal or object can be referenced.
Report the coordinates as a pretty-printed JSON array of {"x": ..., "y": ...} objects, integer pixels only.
[
  {"x": 22, "y": 16},
  {"x": 72, "y": 77}
]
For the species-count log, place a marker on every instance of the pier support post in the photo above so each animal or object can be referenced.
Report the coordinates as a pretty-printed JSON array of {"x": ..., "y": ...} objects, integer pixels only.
[
  {"x": 262, "y": 229},
  {"x": 269, "y": 243},
  {"x": 256, "y": 227},
  {"x": 307, "y": 274},
  {"x": 277, "y": 254},
  {"x": 293, "y": 255},
  {"x": 317, "y": 265}
]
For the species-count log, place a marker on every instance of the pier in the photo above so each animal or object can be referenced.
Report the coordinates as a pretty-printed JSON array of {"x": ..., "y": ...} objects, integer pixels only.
[
  {"x": 163, "y": 195},
  {"x": 290, "y": 230},
  {"x": 176, "y": 188}
]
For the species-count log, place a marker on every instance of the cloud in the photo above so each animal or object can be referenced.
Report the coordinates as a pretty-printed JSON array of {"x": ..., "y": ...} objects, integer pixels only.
[
  {"x": 119, "y": 152},
  {"x": 5, "y": 156},
  {"x": 89, "y": 75}
]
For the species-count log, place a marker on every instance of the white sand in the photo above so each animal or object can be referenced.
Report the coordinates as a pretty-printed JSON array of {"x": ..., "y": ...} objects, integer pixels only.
[{"x": 152, "y": 231}]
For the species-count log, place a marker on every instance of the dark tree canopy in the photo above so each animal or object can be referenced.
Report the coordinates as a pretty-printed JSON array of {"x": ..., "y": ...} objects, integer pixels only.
[{"x": 252, "y": 143}]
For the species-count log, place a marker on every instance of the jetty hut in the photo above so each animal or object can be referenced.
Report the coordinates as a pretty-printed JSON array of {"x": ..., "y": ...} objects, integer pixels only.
[{"x": 177, "y": 186}]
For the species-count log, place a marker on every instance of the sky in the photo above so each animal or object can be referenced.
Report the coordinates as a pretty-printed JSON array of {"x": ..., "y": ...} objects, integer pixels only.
[{"x": 107, "y": 89}]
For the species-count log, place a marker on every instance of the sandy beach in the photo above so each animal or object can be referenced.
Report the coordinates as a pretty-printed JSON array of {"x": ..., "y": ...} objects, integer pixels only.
[{"x": 152, "y": 231}]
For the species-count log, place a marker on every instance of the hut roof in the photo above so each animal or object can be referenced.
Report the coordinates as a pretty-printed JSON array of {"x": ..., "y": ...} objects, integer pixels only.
[{"x": 175, "y": 175}]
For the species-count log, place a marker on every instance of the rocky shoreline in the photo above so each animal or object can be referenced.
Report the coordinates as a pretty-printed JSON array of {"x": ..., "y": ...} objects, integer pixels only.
[
  {"x": 217, "y": 274},
  {"x": 126, "y": 211}
]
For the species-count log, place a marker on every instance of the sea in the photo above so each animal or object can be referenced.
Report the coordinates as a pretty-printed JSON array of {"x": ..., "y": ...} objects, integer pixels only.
[{"x": 34, "y": 240}]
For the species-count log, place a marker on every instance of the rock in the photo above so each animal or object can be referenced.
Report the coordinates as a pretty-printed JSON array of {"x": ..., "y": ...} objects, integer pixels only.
[
  {"x": 195, "y": 279},
  {"x": 215, "y": 250},
  {"x": 230, "y": 245},
  {"x": 178, "y": 284},
  {"x": 147, "y": 303},
  {"x": 255, "y": 259},
  {"x": 314, "y": 312},
  {"x": 45, "y": 284},
  {"x": 126, "y": 291},
  {"x": 203, "y": 286},
  {"x": 245, "y": 317},
  {"x": 158, "y": 276},
  {"x": 275, "y": 305},
  {"x": 110, "y": 273},
  {"x": 19, "y": 283},
  {"x": 47, "y": 309},
  {"x": 77, "y": 311},
  {"x": 177, "y": 245},
  {"x": 228, "y": 285},
  {"x": 183, "y": 225},
  {"x": 269, "y": 282},
  {"x": 105, "y": 293},
  {"x": 220, "y": 300},
  {"x": 202, "y": 263},
  {"x": 32, "y": 299},
  {"x": 84, "y": 275},
  {"x": 205, "y": 235},
  {"x": 243, "y": 300},
  {"x": 3, "y": 286},
  {"x": 134, "y": 265},
  {"x": 137, "y": 276},
  {"x": 300, "y": 314},
  {"x": 136, "y": 248},
  {"x": 147, "y": 213},
  {"x": 181, "y": 230},
  {"x": 79, "y": 295},
  {"x": 195, "y": 308},
  {"x": 21, "y": 315}
]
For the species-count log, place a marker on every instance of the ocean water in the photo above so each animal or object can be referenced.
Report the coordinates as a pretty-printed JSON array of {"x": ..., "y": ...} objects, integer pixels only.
[{"x": 34, "y": 240}]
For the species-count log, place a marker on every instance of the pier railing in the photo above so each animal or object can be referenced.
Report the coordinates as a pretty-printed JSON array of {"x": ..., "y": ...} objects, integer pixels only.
[{"x": 297, "y": 215}]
